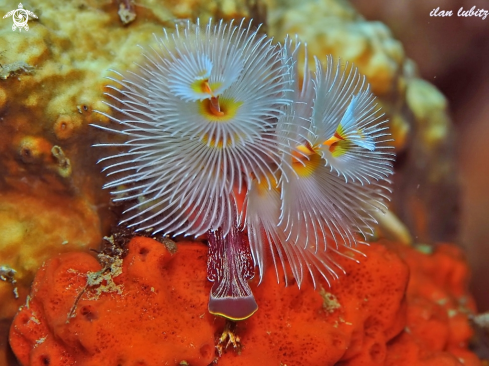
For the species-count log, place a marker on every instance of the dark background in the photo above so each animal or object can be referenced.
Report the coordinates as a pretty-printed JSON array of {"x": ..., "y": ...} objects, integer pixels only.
[{"x": 453, "y": 54}]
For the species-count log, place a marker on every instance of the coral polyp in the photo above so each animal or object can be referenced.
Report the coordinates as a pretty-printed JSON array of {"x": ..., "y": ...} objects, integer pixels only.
[{"x": 216, "y": 113}]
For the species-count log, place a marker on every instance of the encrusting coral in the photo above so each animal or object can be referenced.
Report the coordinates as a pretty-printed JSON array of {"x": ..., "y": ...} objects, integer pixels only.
[
  {"x": 155, "y": 313},
  {"x": 439, "y": 308},
  {"x": 51, "y": 226}
]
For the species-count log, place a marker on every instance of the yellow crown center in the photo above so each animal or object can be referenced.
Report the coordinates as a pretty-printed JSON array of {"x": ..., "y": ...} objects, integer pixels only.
[
  {"x": 219, "y": 109},
  {"x": 305, "y": 165}
]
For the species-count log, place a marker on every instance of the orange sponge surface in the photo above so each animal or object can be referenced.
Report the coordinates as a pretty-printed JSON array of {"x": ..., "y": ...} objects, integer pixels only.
[{"x": 152, "y": 311}]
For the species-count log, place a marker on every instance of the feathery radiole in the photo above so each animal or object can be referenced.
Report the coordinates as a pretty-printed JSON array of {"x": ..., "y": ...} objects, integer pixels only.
[{"x": 215, "y": 114}]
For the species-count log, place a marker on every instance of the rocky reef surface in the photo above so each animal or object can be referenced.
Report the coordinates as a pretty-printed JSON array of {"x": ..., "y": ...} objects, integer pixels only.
[{"x": 398, "y": 306}]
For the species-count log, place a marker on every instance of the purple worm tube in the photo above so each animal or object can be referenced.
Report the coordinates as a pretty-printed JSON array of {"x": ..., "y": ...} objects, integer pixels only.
[{"x": 230, "y": 266}]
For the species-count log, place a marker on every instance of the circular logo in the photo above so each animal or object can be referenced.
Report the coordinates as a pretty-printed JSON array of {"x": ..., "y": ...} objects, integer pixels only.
[{"x": 20, "y": 18}]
